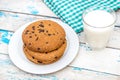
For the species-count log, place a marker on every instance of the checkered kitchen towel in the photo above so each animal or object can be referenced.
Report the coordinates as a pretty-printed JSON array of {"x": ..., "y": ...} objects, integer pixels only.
[{"x": 70, "y": 11}]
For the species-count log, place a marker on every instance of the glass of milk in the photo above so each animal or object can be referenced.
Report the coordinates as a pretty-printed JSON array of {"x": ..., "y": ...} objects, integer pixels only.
[{"x": 98, "y": 24}]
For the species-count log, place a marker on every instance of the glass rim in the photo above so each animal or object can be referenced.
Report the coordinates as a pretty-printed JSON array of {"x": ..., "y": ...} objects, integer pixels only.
[{"x": 114, "y": 15}]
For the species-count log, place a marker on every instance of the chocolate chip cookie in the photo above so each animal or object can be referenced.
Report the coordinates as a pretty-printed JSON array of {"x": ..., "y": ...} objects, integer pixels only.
[
  {"x": 47, "y": 57},
  {"x": 43, "y": 36}
]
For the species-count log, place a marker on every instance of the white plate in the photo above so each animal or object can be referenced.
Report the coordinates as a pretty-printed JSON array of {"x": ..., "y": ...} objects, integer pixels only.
[{"x": 15, "y": 50}]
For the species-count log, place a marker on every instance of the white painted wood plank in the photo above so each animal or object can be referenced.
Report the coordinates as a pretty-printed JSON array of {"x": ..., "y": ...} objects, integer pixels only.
[
  {"x": 107, "y": 60},
  {"x": 26, "y": 6},
  {"x": 12, "y": 21},
  {"x": 3, "y": 48},
  {"x": 4, "y": 41},
  {"x": 10, "y": 72}
]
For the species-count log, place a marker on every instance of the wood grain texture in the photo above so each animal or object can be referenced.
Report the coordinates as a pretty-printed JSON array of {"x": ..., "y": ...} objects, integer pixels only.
[
  {"x": 19, "y": 12},
  {"x": 34, "y": 7},
  {"x": 10, "y": 72}
]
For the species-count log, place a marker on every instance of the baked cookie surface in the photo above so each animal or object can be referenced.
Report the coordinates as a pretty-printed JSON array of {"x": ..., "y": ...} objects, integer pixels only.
[
  {"x": 29, "y": 57},
  {"x": 45, "y": 58},
  {"x": 43, "y": 36}
]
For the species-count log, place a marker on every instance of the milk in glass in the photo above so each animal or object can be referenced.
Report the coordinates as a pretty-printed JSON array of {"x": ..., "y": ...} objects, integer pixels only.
[{"x": 98, "y": 25}]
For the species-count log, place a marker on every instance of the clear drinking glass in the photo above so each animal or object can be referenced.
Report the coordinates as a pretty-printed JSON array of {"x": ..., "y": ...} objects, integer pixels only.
[{"x": 98, "y": 24}]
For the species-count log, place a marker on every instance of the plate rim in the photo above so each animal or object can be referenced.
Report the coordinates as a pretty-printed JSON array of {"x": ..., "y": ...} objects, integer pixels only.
[{"x": 24, "y": 26}]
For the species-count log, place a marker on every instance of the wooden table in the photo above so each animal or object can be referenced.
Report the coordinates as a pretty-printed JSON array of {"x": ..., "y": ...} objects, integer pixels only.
[{"x": 14, "y": 14}]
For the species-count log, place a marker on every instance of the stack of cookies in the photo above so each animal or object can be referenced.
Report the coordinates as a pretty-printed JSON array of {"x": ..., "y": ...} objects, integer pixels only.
[{"x": 44, "y": 41}]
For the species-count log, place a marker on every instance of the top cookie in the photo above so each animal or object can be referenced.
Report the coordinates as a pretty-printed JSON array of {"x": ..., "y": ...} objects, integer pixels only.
[{"x": 43, "y": 36}]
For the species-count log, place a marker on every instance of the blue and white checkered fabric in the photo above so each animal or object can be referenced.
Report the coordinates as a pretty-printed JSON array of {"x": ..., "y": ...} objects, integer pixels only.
[{"x": 70, "y": 11}]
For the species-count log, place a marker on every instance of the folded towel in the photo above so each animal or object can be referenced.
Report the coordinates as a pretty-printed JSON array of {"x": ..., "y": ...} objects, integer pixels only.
[{"x": 70, "y": 11}]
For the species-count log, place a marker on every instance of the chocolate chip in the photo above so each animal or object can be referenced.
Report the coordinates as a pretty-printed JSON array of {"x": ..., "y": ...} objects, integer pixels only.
[
  {"x": 25, "y": 44},
  {"x": 30, "y": 36},
  {"x": 45, "y": 52},
  {"x": 41, "y": 30},
  {"x": 46, "y": 31},
  {"x": 56, "y": 57},
  {"x": 35, "y": 34},
  {"x": 32, "y": 31},
  {"x": 41, "y": 22},
  {"x": 36, "y": 39},
  {"x": 53, "y": 33},
  {"x": 49, "y": 34},
  {"x": 46, "y": 42},
  {"x": 63, "y": 42},
  {"x": 39, "y": 61},
  {"x": 29, "y": 43},
  {"x": 41, "y": 25},
  {"x": 33, "y": 27},
  {"x": 38, "y": 48},
  {"x": 49, "y": 24},
  {"x": 60, "y": 38},
  {"x": 56, "y": 49},
  {"x": 33, "y": 57},
  {"x": 26, "y": 32}
]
